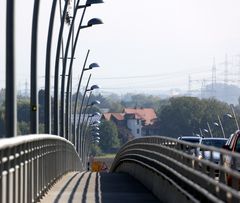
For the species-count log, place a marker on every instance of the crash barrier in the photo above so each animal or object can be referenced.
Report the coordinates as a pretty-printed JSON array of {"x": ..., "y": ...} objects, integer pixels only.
[
  {"x": 30, "y": 164},
  {"x": 176, "y": 170}
]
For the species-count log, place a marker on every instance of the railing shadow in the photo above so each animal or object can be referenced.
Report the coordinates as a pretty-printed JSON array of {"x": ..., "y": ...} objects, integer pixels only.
[
  {"x": 84, "y": 196},
  {"x": 65, "y": 187}
]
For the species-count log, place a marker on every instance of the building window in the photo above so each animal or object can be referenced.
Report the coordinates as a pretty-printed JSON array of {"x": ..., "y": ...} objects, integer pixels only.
[
  {"x": 138, "y": 121},
  {"x": 138, "y": 131}
]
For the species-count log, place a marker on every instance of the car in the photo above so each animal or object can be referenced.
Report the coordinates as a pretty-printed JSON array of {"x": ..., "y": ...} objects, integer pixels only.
[
  {"x": 214, "y": 142},
  {"x": 192, "y": 139},
  {"x": 233, "y": 145}
]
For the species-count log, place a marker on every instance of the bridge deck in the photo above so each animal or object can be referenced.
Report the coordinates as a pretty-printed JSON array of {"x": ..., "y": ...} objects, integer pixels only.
[{"x": 90, "y": 187}]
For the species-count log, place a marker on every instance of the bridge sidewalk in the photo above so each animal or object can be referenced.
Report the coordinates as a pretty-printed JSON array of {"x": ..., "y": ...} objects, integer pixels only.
[{"x": 88, "y": 187}]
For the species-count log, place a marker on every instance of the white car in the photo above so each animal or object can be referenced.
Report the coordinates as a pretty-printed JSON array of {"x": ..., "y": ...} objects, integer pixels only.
[{"x": 214, "y": 142}]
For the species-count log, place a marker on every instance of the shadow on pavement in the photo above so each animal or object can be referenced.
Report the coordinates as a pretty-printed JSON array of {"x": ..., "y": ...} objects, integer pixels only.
[{"x": 121, "y": 188}]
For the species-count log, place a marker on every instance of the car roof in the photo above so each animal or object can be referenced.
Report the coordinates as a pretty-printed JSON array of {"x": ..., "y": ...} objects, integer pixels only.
[
  {"x": 188, "y": 137},
  {"x": 213, "y": 138}
]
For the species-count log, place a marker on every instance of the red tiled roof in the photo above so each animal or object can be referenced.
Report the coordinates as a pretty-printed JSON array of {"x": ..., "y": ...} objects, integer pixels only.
[
  {"x": 146, "y": 114},
  {"x": 107, "y": 116},
  {"x": 118, "y": 116}
]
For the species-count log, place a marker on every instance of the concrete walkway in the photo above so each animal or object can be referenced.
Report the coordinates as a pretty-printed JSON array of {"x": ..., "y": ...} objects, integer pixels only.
[{"x": 90, "y": 187}]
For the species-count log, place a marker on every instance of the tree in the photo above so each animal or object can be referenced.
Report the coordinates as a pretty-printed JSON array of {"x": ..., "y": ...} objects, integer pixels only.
[
  {"x": 23, "y": 110},
  {"x": 109, "y": 136},
  {"x": 186, "y": 115},
  {"x": 2, "y": 123}
]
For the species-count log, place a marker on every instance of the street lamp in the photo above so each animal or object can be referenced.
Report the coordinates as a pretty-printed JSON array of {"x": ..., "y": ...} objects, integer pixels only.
[
  {"x": 96, "y": 102},
  {"x": 91, "y": 66},
  {"x": 91, "y": 22},
  {"x": 96, "y": 123},
  {"x": 82, "y": 128},
  {"x": 84, "y": 125},
  {"x": 210, "y": 130},
  {"x": 234, "y": 116},
  {"x": 93, "y": 87},
  {"x": 94, "y": 21},
  {"x": 11, "y": 102},
  {"x": 207, "y": 131},
  {"x": 95, "y": 128},
  {"x": 219, "y": 124}
]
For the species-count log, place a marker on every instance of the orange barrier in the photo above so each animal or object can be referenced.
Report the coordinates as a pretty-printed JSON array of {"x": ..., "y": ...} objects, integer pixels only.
[{"x": 99, "y": 166}]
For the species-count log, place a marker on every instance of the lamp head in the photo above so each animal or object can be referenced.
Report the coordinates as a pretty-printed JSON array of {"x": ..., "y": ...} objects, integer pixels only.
[
  {"x": 94, "y": 21},
  {"x": 96, "y": 114},
  {"x": 89, "y": 2},
  {"x": 93, "y": 87},
  {"x": 216, "y": 124},
  {"x": 205, "y": 130},
  {"x": 96, "y": 102},
  {"x": 95, "y": 128},
  {"x": 96, "y": 122},
  {"x": 95, "y": 134},
  {"x": 93, "y": 65}
]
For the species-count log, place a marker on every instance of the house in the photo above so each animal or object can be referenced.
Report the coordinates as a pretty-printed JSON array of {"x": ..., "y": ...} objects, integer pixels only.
[{"x": 138, "y": 121}]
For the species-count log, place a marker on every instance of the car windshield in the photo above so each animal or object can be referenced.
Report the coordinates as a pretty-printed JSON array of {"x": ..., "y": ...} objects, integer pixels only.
[{"x": 216, "y": 143}]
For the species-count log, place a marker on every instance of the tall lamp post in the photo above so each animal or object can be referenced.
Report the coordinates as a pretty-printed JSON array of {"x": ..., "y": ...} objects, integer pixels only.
[
  {"x": 84, "y": 144},
  {"x": 56, "y": 78},
  {"x": 33, "y": 73},
  {"x": 234, "y": 116},
  {"x": 81, "y": 106},
  {"x": 91, "y": 66},
  {"x": 90, "y": 23},
  {"x": 11, "y": 104},
  {"x": 94, "y": 21},
  {"x": 219, "y": 124},
  {"x": 93, "y": 87},
  {"x": 210, "y": 130}
]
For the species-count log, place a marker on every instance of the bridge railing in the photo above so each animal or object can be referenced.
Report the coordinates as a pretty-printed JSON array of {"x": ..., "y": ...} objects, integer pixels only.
[
  {"x": 173, "y": 170},
  {"x": 30, "y": 164}
]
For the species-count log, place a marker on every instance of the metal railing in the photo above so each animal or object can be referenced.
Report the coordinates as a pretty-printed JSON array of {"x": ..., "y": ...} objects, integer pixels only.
[
  {"x": 198, "y": 178},
  {"x": 30, "y": 164}
]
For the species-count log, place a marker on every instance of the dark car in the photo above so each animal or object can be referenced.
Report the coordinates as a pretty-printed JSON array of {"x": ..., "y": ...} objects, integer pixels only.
[{"x": 192, "y": 139}]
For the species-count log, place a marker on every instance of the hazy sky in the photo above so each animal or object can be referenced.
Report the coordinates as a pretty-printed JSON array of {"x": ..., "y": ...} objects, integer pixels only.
[{"x": 143, "y": 45}]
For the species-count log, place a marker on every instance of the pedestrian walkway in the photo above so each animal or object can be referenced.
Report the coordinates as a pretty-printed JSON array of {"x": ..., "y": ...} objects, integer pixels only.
[{"x": 88, "y": 187}]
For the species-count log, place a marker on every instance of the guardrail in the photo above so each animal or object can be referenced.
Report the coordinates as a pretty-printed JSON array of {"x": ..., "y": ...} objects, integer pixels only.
[
  {"x": 30, "y": 164},
  {"x": 173, "y": 171}
]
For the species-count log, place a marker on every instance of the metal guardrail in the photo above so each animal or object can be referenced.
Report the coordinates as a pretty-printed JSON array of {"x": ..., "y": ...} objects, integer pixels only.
[
  {"x": 30, "y": 164},
  {"x": 177, "y": 161}
]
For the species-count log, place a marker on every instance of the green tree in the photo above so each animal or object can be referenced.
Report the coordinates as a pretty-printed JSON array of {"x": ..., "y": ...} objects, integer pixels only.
[
  {"x": 23, "y": 110},
  {"x": 109, "y": 136},
  {"x": 2, "y": 123},
  {"x": 95, "y": 150},
  {"x": 186, "y": 115}
]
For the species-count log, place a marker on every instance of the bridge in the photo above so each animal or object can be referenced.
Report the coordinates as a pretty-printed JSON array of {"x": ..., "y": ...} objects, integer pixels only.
[{"x": 52, "y": 167}]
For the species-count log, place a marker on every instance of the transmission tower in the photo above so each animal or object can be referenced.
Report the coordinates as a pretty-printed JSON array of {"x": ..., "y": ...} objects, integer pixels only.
[
  {"x": 214, "y": 77},
  {"x": 226, "y": 70}
]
